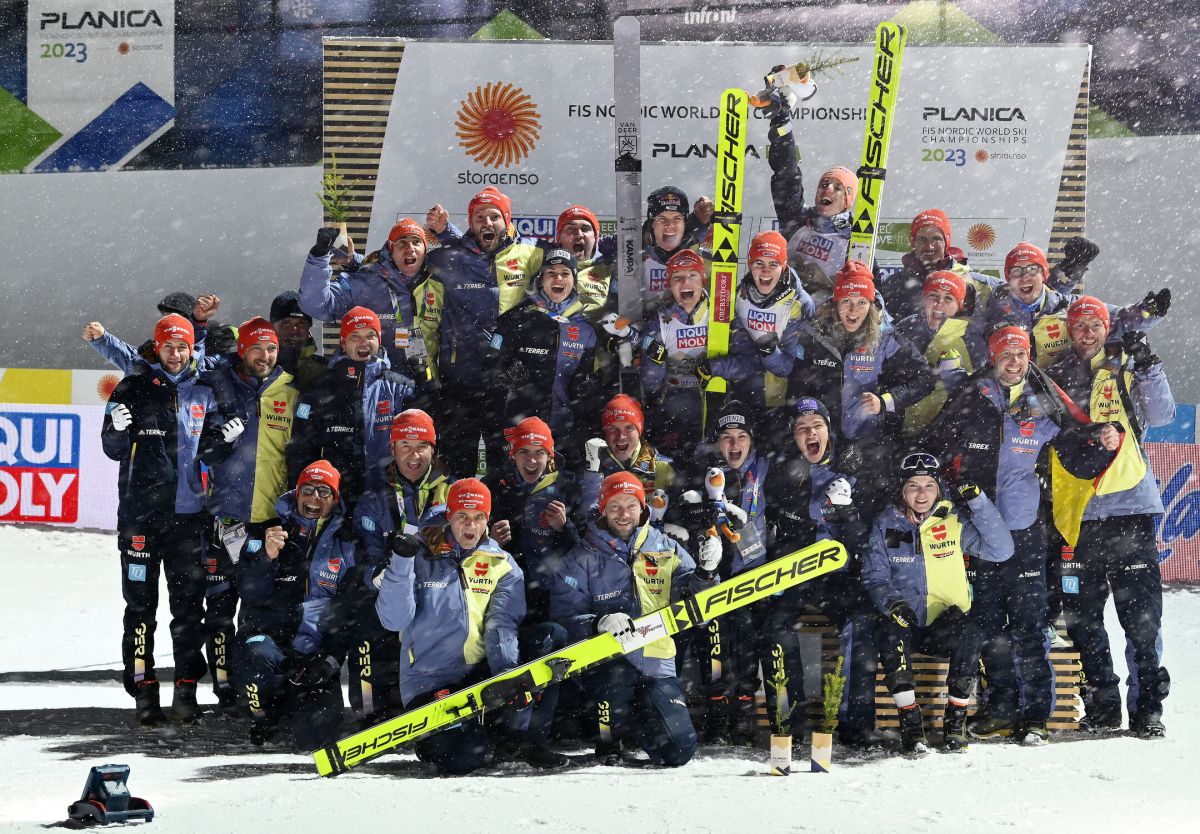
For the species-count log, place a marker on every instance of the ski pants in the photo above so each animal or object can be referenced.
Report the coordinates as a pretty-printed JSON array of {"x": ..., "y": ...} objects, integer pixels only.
[
  {"x": 175, "y": 543},
  {"x": 754, "y": 637},
  {"x": 463, "y": 747},
  {"x": 951, "y": 635},
  {"x": 649, "y": 712},
  {"x": 220, "y": 609},
  {"x": 315, "y": 712},
  {"x": 536, "y": 641},
  {"x": 839, "y": 596},
  {"x": 465, "y": 414},
  {"x": 1010, "y": 610},
  {"x": 1120, "y": 554},
  {"x": 374, "y": 666}
]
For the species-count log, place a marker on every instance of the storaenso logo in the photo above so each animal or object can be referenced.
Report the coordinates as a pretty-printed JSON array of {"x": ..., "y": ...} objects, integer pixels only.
[
  {"x": 384, "y": 741},
  {"x": 973, "y": 114},
  {"x": 115, "y": 19},
  {"x": 766, "y": 582}
]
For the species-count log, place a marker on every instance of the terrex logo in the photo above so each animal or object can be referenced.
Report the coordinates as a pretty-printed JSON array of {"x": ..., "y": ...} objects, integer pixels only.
[
  {"x": 498, "y": 125},
  {"x": 115, "y": 19},
  {"x": 973, "y": 114}
]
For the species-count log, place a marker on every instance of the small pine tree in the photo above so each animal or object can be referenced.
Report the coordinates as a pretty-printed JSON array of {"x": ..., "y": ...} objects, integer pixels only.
[
  {"x": 834, "y": 683},
  {"x": 333, "y": 193}
]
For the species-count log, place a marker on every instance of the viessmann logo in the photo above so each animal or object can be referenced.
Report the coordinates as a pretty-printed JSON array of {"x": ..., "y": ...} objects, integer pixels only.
[{"x": 498, "y": 125}]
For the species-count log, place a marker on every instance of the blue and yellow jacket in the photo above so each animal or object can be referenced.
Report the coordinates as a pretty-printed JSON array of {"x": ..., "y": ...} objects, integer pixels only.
[
  {"x": 302, "y": 597},
  {"x": 453, "y": 609},
  {"x": 604, "y": 575},
  {"x": 471, "y": 289},
  {"x": 247, "y": 476},
  {"x": 398, "y": 300},
  {"x": 923, "y": 564},
  {"x": 399, "y": 505}
]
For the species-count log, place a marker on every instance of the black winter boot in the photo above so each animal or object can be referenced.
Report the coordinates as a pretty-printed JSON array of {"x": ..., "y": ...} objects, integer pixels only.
[
  {"x": 148, "y": 711},
  {"x": 954, "y": 728},
  {"x": 183, "y": 704},
  {"x": 912, "y": 732}
]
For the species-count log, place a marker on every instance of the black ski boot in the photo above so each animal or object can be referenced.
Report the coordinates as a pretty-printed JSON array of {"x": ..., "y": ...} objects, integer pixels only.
[
  {"x": 537, "y": 754},
  {"x": 608, "y": 753},
  {"x": 988, "y": 725},
  {"x": 954, "y": 728},
  {"x": 745, "y": 722},
  {"x": 716, "y": 721},
  {"x": 1147, "y": 725},
  {"x": 183, "y": 703},
  {"x": 1100, "y": 721},
  {"x": 148, "y": 711},
  {"x": 912, "y": 732}
]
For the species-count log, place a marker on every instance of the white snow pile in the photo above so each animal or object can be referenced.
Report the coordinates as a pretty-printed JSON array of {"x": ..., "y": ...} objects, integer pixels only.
[{"x": 62, "y": 611}]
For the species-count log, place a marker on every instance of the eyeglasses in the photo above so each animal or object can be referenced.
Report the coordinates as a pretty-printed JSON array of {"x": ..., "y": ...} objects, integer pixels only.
[
  {"x": 309, "y": 490},
  {"x": 919, "y": 462},
  {"x": 1028, "y": 269}
]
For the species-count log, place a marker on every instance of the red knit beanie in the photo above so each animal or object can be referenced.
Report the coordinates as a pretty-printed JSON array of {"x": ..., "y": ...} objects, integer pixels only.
[
  {"x": 257, "y": 331},
  {"x": 173, "y": 326}
]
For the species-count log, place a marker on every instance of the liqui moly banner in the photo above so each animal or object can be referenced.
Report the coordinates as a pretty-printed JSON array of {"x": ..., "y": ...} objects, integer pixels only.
[
  {"x": 52, "y": 467},
  {"x": 1177, "y": 468},
  {"x": 981, "y": 132}
]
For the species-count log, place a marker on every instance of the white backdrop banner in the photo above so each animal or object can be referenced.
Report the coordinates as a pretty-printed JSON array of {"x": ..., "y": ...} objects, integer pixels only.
[{"x": 981, "y": 132}]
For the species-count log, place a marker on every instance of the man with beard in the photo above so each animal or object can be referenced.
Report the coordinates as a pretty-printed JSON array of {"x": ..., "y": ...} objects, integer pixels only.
[
  {"x": 247, "y": 472},
  {"x": 479, "y": 276},
  {"x": 297, "y": 350}
]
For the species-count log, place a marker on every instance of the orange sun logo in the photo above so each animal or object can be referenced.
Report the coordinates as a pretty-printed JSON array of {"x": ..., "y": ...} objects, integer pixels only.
[
  {"x": 105, "y": 386},
  {"x": 498, "y": 125},
  {"x": 981, "y": 236}
]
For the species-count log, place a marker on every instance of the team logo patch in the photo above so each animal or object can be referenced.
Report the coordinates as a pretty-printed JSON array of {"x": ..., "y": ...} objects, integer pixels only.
[
  {"x": 335, "y": 565},
  {"x": 1027, "y": 427},
  {"x": 198, "y": 411},
  {"x": 513, "y": 265},
  {"x": 210, "y": 565},
  {"x": 138, "y": 542},
  {"x": 572, "y": 333},
  {"x": 1054, "y": 331},
  {"x": 368, "y": 524},
  {"x": 254, "y": 545},
  {"x": 1068, "y": 553},
  {"x": 651, "y": 568},
  {"x": 939, "y": 532},
  {"x": 303, "y": 411},
  {"x": 383, "y": 407},
  {"x": 137, "y": 573},
  {"x": 1070, "y": 584},
  {"x": 279, "y": 406},
  {"x": 481, "y": 568}
]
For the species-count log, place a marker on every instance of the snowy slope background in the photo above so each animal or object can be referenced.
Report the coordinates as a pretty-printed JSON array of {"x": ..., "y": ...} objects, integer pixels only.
[{"x": 62, "y": 611}]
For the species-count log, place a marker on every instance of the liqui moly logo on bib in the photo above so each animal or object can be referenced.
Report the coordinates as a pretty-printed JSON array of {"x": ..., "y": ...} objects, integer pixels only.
[
  {"x": 818, "y": 248},
  {"x": 760, "y": 320},
  {"x": 658, "y": 278},
  {"x": 39, "y": 467},
  {"x": 691, "y": 337}
]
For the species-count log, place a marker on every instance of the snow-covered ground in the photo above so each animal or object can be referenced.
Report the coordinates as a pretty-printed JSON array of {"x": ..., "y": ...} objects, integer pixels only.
[{"x": 62, "y": 611}]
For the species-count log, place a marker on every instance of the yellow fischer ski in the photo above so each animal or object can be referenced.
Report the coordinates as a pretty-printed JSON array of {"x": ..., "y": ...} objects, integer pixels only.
[{"x": 890, "y": 39}]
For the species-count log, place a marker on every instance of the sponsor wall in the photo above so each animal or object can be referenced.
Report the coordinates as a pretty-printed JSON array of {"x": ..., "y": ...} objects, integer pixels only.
[
  {"x": 52, "y": 467},
  {"x": 53, "y": 470},
  {"x": 970, "y": 121}
]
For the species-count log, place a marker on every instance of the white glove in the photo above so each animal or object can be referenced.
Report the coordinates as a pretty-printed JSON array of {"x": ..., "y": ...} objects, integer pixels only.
[
  {"x": 709, "y": 557},
  {"x": 233, "y": 429},
  {"x": 736, "y": 513},
  {"x": 838, "y": 492},
  {"x": 591, "y": 451},
  {"x": 121, "y": 418},
  {"x": 618, "y": 625}
]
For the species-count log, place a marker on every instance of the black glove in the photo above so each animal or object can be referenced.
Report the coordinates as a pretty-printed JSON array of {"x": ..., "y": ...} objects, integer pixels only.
[
  {"x": 1137, "y": 345},
  {"x": 902, "y": 614},
  {"x": 1077, "y": 254},
  {"x": 655, "y": 351},
  {"x": 326, "y": 235},
  {"x": 1156, "y": 304},
  {"x": 768, "y": 345},
  {"x": 968, "y": 491},
  {"x": 704, "y": 371},
  {"x": 404, "y": 545},
  {"x": 699, "y": 517},
  {"x": 313, "y": 671}
]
